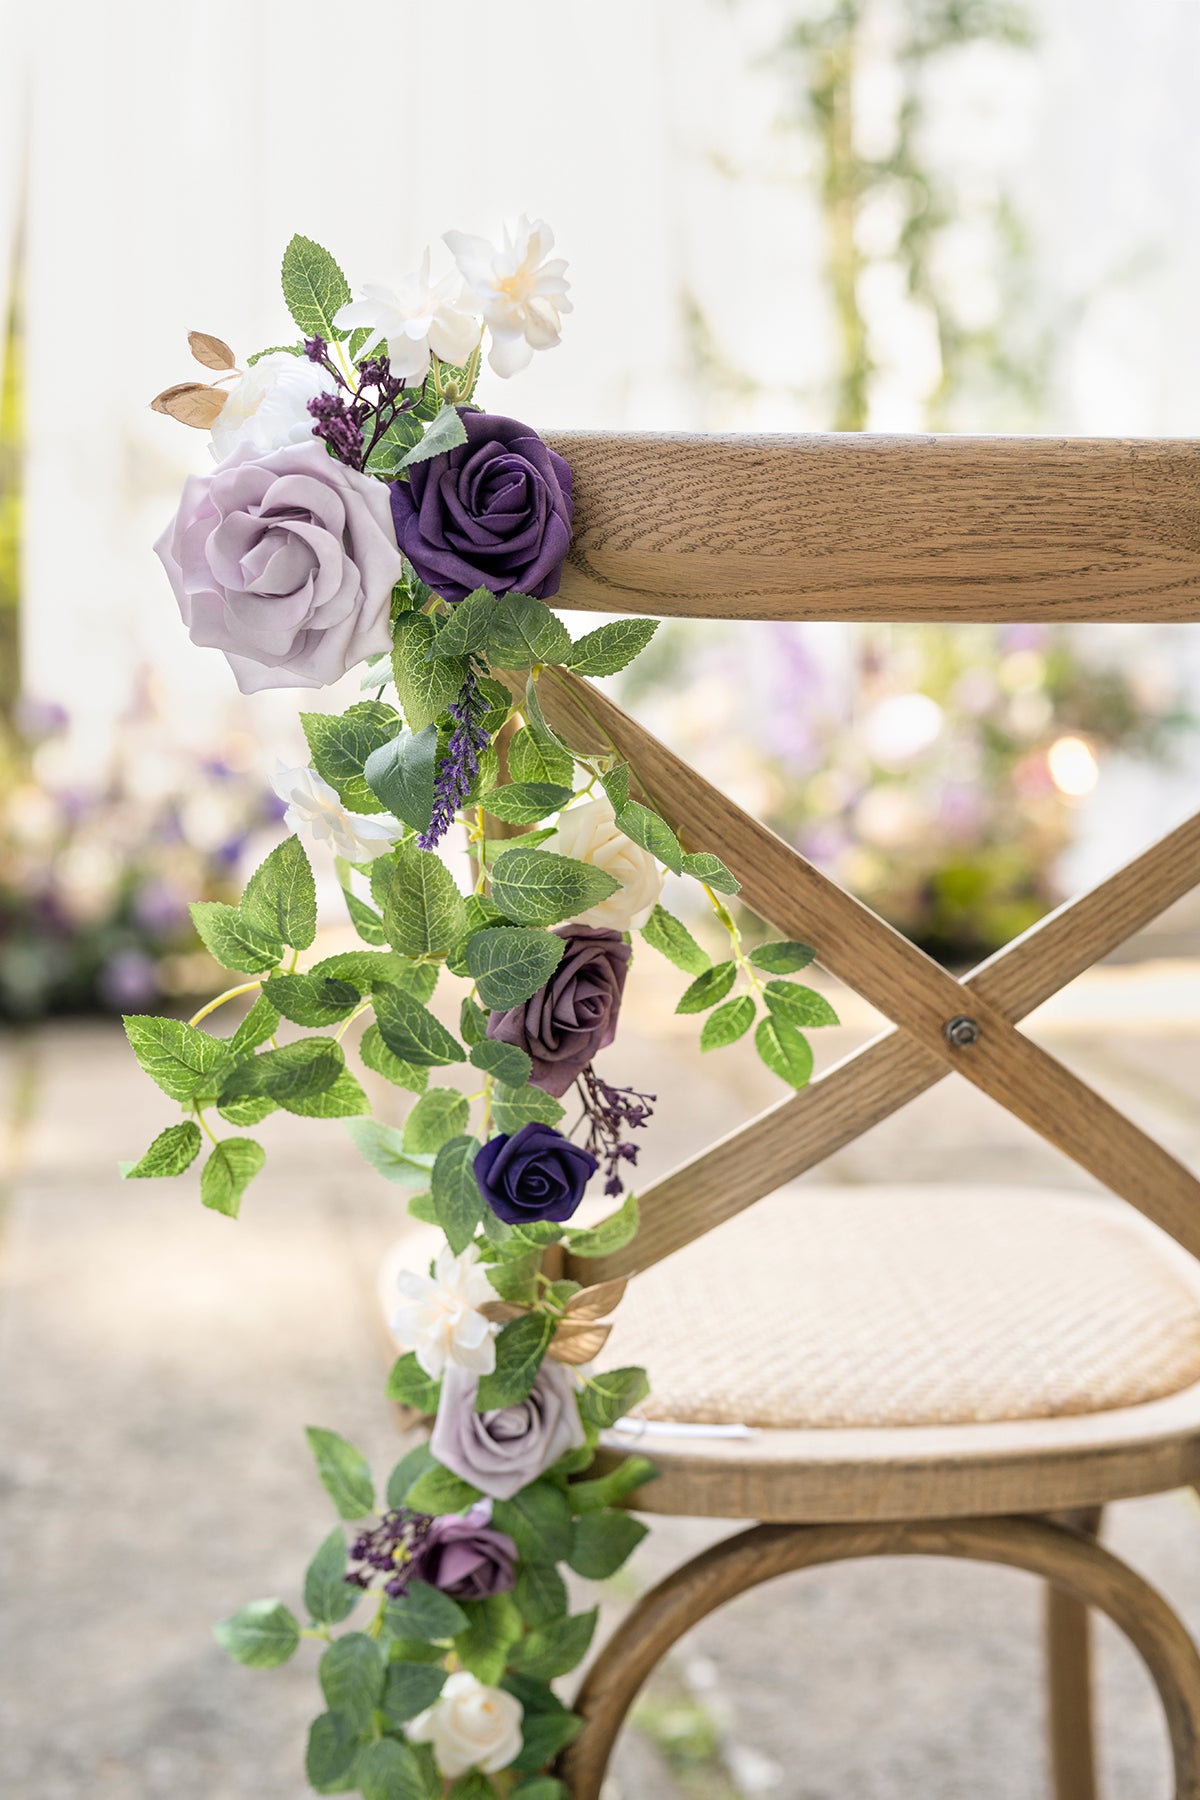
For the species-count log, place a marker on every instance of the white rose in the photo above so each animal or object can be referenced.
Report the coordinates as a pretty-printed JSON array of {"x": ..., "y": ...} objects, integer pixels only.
[
  {"x": 470, "y": 1727},
  {"x": 268, "y": 407},
  {"x": 589, "y": 833},
  {"x": 440, "y": 1321}
]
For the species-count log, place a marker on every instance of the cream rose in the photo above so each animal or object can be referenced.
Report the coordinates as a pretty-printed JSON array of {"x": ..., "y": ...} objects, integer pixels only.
[
  {"x": 470, "y": 1727},
  {"x": 589, "y": 833}
]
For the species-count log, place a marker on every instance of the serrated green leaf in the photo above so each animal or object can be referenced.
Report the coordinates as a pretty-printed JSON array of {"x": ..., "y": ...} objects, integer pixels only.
[
  {"x": 231, "y": 940},
  {"x": 369, "y": 969},
  {"x": 555, "y": 1649},
  {"x": 260, "y": 1636},
  {"x": 366, "y": 922},
  {"x": 172, "y": 1151},
  {"x": 259, "y": 1024},
  {"x": 526, "y": 802},
  {"x": 610, "y": 647},
  {"x": 672, "y": 939},
  {"x": 466, "y": 629},
  {"x": 537, "y": 887},
  {"x": 281, "y": 896},
  {"x": 786, "y": 1052},
  {"x": 351, "y": 1674},
  {"x": 344, "y": 1100},
  {"x": 251, "y": 1111},
  {"x": 424, "y": 1612},
  {"x": 344, "y": 1471},
  {"x": 535, "y": 757},
  {"x": 608, "y": 1396},
  {"x": 414, "y": 1463},
  {"x": 179, "y": 1058},
  {"x": 783, "y": 957},
  {"x": 401, "y": 775},
  {"x": 275, "y": 350},
  {"x": 800, "y": 1006},
  {"x": 493, "y": 1626},
  {"x": 438, "y": 1491},
  {"x": 543, "y": 1736},
  {"x": 472, "y": 1021},
  {"x": 231, "y": 1167},
  {"x": 329, "y": 1597},
  {"x": 652, "y": 833},
  {"x": 456, "y": 1197},
  {"x": 314, "y": 288},
  {"x": 712, "y": 871},
  {"x": 708, "y": 988},
  {"x": 540, "y": 1593},
  {"x": 409, "y": 1689},
  {"x": 387, "y": 458},
  {"x": 333, "y": 1745},
  {"x": 472, "y": 1786},
  {"x": 612, "y": 1234},
  {"x": 615, "y": 783},
  {"x": 383, "y": 1147},
  {"x": 521, "y": 1347},
  {"x": 538, "y": 1520},
  {"x": 515, "y": 1279},
  {"x": 444, "y": 432},
  {"x": 390, "y": 1770},
  {"x": 514, "y": 1107},
  {"x": 505, "y": 1062},
  {"x": 509, "y": 965},
  {"x": 425, "y": 687},
  {"x": 728, "y": 1023},
  {"x": 308, "y": 999},
  {"x": 377, "y": 1056},
  {"x": 423, "y": 913},
  {"x": 341, "y": 745},
  {"x": 411, "y": 1032},
  {"x": 603, "y": 1541},
  {"x": 523, "y": 631},
  {"x": 409, "y": 1385},
  {"x": 292, "y": 1073},
  {"x": 439, "y": 1115}
]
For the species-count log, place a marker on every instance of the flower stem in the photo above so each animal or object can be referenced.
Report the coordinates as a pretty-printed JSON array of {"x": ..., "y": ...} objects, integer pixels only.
[{"x": 247, "y": 987}]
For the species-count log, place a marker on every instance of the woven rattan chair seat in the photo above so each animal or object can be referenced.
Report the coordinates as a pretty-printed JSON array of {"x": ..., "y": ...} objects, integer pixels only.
[{"x": 841, "y": 1308}]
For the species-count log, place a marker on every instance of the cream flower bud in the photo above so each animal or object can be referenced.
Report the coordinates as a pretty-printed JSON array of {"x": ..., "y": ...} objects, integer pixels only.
[
  {"x": 589, "y": 833},
  {"x": 470, "y": 1727}
]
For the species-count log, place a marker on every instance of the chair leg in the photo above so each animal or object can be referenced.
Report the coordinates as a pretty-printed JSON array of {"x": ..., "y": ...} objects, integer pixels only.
[
  {"x": 1069, "y": 1681},
  {"x": 1073, "y": 1561}
]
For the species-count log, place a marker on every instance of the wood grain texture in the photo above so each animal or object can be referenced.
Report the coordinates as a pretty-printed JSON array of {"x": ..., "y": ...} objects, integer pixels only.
[
  {"x": 1069, "y": 1707},
  {"x": 1072, "y": 1561},
  {"x": 906, "y": 986},
  {"x": 852, "y": 526}
]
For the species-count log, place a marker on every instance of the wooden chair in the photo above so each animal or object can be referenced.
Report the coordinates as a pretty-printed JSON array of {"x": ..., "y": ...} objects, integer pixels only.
[{"x": 1006, "y": 1464}]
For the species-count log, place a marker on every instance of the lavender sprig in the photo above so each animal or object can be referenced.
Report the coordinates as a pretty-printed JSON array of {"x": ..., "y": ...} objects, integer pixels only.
[
  {"x": 459, "y": 768},
  {"x": 610, "y": 1113},
  {"x": 390, "y": 1548}
]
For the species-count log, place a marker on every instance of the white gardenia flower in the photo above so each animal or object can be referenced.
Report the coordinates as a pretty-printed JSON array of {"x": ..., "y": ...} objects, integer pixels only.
[
  {"x": 316, "y": 808},
  {"x": 414, "y": 319},
  {"x": 589, "y": 833},
  {"x": 470, "y": 1727},
  {"x": 268, "y": 407},
  {"x": 521, "y": 293},
  {"x": 439, "y": 1318}
]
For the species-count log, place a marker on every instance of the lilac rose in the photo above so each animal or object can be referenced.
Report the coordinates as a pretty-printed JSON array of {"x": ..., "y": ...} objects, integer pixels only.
[
  {"x": 285, "y": 562},
  {"x": 563, "y": 1025},
  {"x": 503, "y": 1451},
  {"x": 494, "y": 512},
  {"x": 536, "y": 1173},
  {"x": 465, "y": 1558}
]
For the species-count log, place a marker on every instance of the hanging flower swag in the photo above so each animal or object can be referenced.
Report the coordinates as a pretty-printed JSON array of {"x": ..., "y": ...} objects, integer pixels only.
[{"x": 364, "y": 510}]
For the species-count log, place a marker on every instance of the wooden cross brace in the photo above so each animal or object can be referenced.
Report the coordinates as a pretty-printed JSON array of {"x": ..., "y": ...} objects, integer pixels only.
[{"x": 942, "y": 1023}]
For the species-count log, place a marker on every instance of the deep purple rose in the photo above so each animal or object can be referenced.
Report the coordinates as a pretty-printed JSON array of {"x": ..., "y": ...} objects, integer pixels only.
[
  {"x": 494, "y": 512},
  {"x": 574, "y": 1015},
  {"x": 503, "y": 1451},
  {"x": 535, "y": 1174},
  {"x": 465, "y": 1558}
]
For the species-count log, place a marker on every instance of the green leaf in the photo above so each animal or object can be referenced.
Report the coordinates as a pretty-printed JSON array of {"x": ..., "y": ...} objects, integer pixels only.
[
  {"x": 180, "y": 1057},
  {"x": 314, "y": 288},
  {"x": 329, "y": 1597},
  {"x": 259, "y": 1024},
  {"x": 506, "y": 1062},
  {"x": 411, "y": 1032},
  {"x": 472, "y": 1786},
  {"x": 801, "y": 1006},
  {"x": 786, "y": 1052},
  {"x": 783, "y": 957},
  {"x": 611, "y": 647},
  {"x": 387, "y": 458},
  {"x": 415, "y": 1462},
  {"x": 260, "y": 1636},
  {"x": 612, "y": 1234},
  {"x": 289, "y": 1075},
  {"x": 728, "y": 1023},
  {"x": 509, "y": 965},
  {"x": 607, "y": 1490},
  {"x": 438, "y": 1491},
  {"x": 172, "y": 1151},
  {"x": 668, "y": 935},
  {"x": 444, "y": 432},
  {"x": 423, "y": 913},
  {"x": 538, "y": 1519},
  {"x": 344, "y": 1471},
  {"x": 540, "y": 1593},
  {"x": 472, "y": 1022},
  {"x": 536, "y": 887},
  {"x": 311, "y": 999},
  {"x": 609, "y": 1396},
  {"x": 351, "y": 1677},
  {"x": 603, "y": 1541},
  {"x": 555, "y": 1649},
  {"x": 390, "y": 1770},
  {"x": 439, "y": 1115},
  {"x": 424, "y": 1612},
  {"x": 377, "y": 1056},
  {"x": 366, "y": 922},
  {"x": 281, "y": 896},
  {"x": 524, "y": 631},
  {"x": 383, "y": 1147},
  {"x": 409, "y": 1689},
  {"x": 615, "y": 783},
  {"x": 369, "y": 969},
  {"x": 409, "y": 1385},
  {"x": 466, "y": 629},
  {"x": 333, "y": 1744},
  {"x": 513, "y": 1107},
  {"x": 231, "y": 1167},
  {"x": 456, "y": 1197},
  {"x": 711, "y": 870},
  {"x": 544, "y": 1735},
  {"x": 652, "y": 833},
  {"x": 342, "y": 744},
  {"x": 545, "y": 1787},
  {"x": 344, "y": 1100},
  {"x": 426, "y": 687},
  {"x": 420, "y": 1206},
  {"x": 708, "y": 988},
  {"x": 233, "y": 942},
  {"x": 534, "y": 756},
  {"x": 493, "y": 1627},
  {"x": 275, "y": 350},
  {"x": 526, "y": 802},
  {"x": 401, "y": 775},
  {"x": 520, "y": 1349},
  {"x": 251, "y": 1111}
]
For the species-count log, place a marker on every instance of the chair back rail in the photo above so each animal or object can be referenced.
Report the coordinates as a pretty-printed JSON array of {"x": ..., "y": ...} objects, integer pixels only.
[{"x": 851, "y": 526}]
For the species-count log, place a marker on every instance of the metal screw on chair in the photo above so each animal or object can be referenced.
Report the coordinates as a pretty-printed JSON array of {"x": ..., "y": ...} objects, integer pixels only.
[{"x": 961, "y": 1032}]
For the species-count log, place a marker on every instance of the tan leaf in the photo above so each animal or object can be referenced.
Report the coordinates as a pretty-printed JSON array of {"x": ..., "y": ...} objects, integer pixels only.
[
  {"x": 191, "y": 402},
  {"x": 501, "y": 1311},
  {"x": 594, "y": 1302},
  {"x": 213, "y": 352},
  {"x": 577, "y": 1341}
]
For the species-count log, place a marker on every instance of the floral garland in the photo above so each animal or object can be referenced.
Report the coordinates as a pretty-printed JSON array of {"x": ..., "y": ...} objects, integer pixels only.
[{"x": 364, "y": 510}]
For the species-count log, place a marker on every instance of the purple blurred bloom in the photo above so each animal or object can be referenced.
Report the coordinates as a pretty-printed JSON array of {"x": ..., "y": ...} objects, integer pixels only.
[{"x": 128, "y": 981}]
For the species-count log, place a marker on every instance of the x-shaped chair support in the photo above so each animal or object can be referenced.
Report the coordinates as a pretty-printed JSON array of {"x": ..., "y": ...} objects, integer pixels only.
[{"x": 943, "y": 1023}]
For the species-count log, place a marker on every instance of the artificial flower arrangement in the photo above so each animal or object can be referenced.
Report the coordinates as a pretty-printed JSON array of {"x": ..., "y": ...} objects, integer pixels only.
[{"x": 364, "y": 510}]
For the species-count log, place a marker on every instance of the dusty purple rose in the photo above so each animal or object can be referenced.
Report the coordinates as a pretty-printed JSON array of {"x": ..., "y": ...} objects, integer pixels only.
[
  {"x": 502, "y": 1452},
  {"x": 494, "y": 512},
  {"x": 535, "y": 1174},
  {"x": 285, "y": 562},
  {"x": 465, "y": 1558},
  {"x": 574, "y": 1015}
]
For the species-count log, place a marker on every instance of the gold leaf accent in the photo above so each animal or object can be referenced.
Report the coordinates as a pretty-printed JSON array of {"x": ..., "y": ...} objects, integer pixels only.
[
  {"x": 213, "y": 352},
  {"x": 501, "y": 1311},
  {"x": 191, "y": 402},
  {"x": 577, "y": 1341},
  {"x": 595, "y": 1302}
]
